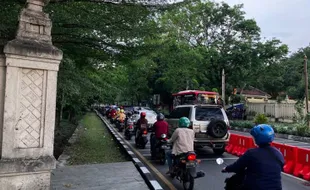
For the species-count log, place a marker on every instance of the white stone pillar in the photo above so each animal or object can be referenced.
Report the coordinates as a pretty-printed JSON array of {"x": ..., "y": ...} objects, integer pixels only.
[
  {"x": 28, "y": 84},
  {"x": 2, "y": 87}
]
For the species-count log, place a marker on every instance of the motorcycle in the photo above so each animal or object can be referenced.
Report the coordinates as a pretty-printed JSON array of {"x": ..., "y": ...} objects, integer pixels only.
[
  {"x": 120, "y": 125},
  {"x": 235, "y": 181},
  {"x": 141, "y": 138},
  {"x": 185, "y": 170},
  {"x": 113, "y": 117},
  {"x": 129, "y": 131},
  {"x": 160, "y": 149}
]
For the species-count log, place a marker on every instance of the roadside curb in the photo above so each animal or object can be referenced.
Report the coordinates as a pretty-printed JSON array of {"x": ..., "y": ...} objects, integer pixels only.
[{"x": 148, "y": 177}]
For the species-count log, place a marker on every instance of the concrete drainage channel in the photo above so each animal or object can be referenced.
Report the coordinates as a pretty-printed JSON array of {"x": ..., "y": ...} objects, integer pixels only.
[{"x": 150, "y": 180}]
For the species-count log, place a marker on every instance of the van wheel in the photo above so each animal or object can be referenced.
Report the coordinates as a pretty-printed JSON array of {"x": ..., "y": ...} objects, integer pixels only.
[{"x": 219, "y": 152}]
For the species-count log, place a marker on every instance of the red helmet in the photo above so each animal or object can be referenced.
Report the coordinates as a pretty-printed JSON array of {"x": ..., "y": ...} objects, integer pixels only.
[{"x": 143, "y": 114}]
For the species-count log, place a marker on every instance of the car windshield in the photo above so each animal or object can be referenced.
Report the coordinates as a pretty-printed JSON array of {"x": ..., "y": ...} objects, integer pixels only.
[
  {"x": 208, "y": 113},
  {"x": 128, "y": 108}
]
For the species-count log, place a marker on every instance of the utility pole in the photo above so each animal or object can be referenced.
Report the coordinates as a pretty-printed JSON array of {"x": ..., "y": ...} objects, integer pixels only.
[
  {"x": 223, "y": 87},
  {"x": 306, "y": 86},
  {"x": 187, "y": 84}
]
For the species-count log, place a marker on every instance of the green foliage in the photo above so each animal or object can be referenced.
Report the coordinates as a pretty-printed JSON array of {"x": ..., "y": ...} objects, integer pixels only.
[
  {"x": 234, "y": 99},
  {"x": 214, "y": 90},
  {"x": 260, "y": 119},
  {"x": 126, "y": 52},
  {"x": 242, "y": 124},
  {"x": 283, "y": 128}
]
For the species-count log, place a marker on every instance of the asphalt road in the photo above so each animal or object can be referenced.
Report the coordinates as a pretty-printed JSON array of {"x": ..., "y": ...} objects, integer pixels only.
[{"x": 214, "y": 179}]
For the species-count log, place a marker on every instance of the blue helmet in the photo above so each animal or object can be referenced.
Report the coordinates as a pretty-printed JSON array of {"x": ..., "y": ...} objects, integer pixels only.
[{"x": 263, "y": 134}]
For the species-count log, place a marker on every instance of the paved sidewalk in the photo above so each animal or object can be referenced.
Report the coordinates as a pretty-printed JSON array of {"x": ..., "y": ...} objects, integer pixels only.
[
  {"x": 279, "y": 140},
  {"x": 112, "y": 176}
]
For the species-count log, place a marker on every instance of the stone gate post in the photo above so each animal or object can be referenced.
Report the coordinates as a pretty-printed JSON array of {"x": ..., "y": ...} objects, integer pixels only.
[{"x": 28, "y": 80}]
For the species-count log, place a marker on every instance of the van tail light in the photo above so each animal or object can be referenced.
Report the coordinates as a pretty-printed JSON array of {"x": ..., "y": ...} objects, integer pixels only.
[{"x": 191, "y": 157}]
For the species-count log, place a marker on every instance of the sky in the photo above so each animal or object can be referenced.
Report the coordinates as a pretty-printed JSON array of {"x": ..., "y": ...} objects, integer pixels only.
[{"x": 286, "y": 20}]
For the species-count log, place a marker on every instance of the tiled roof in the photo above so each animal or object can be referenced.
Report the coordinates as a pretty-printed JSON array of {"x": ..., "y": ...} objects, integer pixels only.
[{"x": 252, "y": 91}]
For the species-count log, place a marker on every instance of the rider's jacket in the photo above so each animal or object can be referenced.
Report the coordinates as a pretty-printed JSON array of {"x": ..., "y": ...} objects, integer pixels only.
[
  {"x": 122, "y": 117},
  {"x": 263, "y": 168},
  {"x": 160, "y": 127},
  {"x": 183, "y": 141}
]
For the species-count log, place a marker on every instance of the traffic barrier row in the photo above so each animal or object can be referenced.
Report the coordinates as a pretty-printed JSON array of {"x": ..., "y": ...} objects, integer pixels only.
[{"x": 297, "y": 160}]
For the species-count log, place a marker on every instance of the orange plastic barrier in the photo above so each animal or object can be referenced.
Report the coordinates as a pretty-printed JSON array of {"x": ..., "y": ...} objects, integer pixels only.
[
  {"x": 232, "y": 143},
  {"x": 239, "y": 144},
  {"x": 302, "y": 168},
  {"x": 289, "y": 153}
]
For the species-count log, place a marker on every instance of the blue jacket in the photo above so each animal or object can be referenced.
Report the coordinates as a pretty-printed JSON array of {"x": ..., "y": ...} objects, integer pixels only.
[{"x": 263, "y": 170}]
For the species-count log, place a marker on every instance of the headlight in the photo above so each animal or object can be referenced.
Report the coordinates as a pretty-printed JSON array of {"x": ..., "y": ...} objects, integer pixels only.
[{"x": 163, "y": 136}]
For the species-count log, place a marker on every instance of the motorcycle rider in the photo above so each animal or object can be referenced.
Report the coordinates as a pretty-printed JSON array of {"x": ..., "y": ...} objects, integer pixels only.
[
  {"x": 122, "y": 115},
  {"x": 141, "y": 124},
  {"x": 118, "y": 111},
  {"x": 183, "y": 141},
  {"x": 160, "y": 127},
  {"x": 262, "y": 165}
]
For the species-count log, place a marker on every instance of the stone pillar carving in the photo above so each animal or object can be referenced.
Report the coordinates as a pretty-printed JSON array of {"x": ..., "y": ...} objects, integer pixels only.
[{"x": 28, "y": 80}]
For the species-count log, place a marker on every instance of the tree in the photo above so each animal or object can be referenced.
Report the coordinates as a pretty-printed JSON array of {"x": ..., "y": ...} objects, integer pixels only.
[{"x": 227, "y": 40}]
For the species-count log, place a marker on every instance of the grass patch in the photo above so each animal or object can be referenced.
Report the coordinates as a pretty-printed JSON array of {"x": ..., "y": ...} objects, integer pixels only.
[{"x": 96, "y": 144}]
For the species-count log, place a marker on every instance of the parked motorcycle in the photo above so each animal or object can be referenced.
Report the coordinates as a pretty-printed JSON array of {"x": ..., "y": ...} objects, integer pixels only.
[
  {"x": 185, "y": 170},
  {"x": 160, "y": 149},
  {"x": 235, "y": 181},
  {"x": 141, "y": 138},
  {"x": 129, "y": 131}
]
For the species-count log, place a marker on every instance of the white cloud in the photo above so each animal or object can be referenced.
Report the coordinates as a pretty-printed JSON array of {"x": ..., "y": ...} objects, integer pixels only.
[{"x": 287, "y": 20}]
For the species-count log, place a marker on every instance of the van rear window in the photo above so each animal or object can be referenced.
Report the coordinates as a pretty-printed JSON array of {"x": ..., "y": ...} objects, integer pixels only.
[{"x": 208, "y": 113}]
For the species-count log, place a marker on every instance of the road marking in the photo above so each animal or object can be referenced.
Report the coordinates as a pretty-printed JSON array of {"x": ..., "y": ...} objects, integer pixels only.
[
  {"x": 300, "y": 179},
  {"x": 136, "y": 160},
  {"x": 130, "y": 152},
  {"x": 213, "y": 159},
  {"x": 144, "y": 170},
  {"x": 118, "y": 138},
  {"x": 125, "y": 146},
  {"x": 148, "y": 155},
  {"x": 154, "y": 170},
  {"x": 121, "y": 142},
  {"x": 156, "y": 185}
]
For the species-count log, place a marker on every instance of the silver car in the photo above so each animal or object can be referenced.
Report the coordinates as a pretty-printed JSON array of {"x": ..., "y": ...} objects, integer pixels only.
[{"x": 209, "y": 122}]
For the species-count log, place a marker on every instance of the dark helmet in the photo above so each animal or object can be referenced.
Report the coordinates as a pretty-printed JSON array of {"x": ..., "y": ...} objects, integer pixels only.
[{"x": 160, "y": 117}]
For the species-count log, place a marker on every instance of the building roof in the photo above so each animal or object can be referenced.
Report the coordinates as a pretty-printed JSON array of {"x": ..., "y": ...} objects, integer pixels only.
[{"x": 252, "y": 91}]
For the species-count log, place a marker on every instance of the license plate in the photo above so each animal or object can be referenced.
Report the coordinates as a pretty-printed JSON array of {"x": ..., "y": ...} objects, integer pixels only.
[
  {"x": 164, "y": 147},
  {"x": 144, "y": 135},
  {"x": 190, "y": 164}
]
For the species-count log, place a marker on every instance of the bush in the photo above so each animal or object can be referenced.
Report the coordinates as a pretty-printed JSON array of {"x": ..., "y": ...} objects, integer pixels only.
[
  {"x": 242, "y": 124},
  {"x": 260, "y": 119},
  {"x": 283, "y": 128},
  {"x": 302, "y": 128}
]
